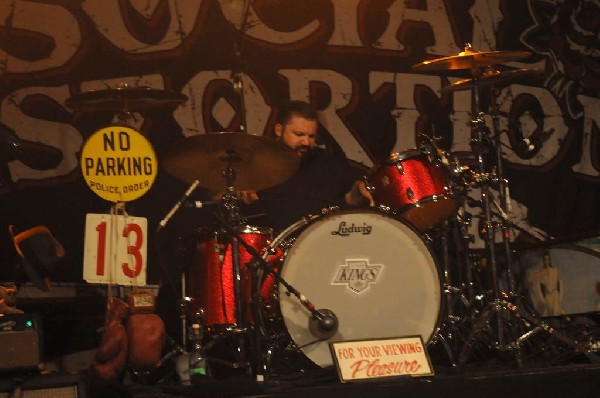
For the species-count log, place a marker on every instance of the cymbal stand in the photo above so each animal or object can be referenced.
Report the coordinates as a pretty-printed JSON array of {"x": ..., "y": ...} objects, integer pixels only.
[
  {"x": 496, "y": 308},
  {"x": 513, "y": 325},
  {"x": 231, "y": 223},
  {"x": 240, "y": 66},
  {"x": 449, "y": 332},
  {"x": 504, "y": 206}
]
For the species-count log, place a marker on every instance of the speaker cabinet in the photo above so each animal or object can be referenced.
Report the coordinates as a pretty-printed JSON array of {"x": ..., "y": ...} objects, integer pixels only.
[
  {"x": 44, "y": 386},
  {"x": 20, "y": 342}
]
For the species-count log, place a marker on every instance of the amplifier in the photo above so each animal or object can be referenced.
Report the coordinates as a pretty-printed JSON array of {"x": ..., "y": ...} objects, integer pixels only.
[
  {"x": 44, "y": 386},
  {"x": 20, "y": 342}
]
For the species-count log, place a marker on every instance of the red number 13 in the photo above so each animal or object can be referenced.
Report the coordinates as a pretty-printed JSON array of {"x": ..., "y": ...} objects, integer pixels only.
[{"x": 133, "y": 250}]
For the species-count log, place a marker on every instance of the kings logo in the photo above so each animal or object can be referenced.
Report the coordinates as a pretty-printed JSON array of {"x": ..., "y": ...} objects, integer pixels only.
[{"x": 357, "y": 275}]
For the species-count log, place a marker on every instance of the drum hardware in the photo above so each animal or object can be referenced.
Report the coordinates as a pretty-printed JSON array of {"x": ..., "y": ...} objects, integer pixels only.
[
  {"x": 257, "y": 162},
  {"x": 471, "y": 59},
  {"x": 404, "y": 273},
  {"x": 244, "y": 159},
  {"x": 508, "y": 325},
  {"x": 490, "y": 77},
  {"x": 124, "y": 100},
  {"x": 415, "y": 185},
  {"x": 451, "y": 332},
  {"x": 499, "y": 308},
  {"x": 323, "y": 323}
]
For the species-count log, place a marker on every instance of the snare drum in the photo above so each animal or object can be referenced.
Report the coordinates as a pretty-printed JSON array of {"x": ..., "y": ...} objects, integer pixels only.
[
  {"x": 211, "y": 277},
  {"x": 414, "y": 184},
  {"x": 371, "y": 270}
]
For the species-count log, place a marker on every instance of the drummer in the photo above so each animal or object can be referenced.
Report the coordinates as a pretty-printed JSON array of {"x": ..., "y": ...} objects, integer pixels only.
[{"x": 323, "y": 179}]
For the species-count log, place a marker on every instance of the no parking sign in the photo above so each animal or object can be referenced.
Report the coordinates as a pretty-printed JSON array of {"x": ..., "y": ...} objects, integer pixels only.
[{"x": 119, "y": 165}]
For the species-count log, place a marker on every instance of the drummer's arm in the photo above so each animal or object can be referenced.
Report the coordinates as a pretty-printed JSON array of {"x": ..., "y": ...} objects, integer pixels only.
[{"x": 359, "y": 195}]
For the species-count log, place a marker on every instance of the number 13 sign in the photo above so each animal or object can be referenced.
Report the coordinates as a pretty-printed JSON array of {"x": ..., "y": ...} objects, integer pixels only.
[{"x": 115, "y": 254}]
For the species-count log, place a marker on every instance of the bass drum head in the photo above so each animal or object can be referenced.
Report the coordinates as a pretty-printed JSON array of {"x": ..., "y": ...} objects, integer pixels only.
[{"x": 373, "y": 271}]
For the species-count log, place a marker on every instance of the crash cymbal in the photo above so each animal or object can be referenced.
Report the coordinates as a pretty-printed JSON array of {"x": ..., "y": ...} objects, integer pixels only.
[
  {"x": 491, "y": 77},
  {"x": 258, "y": 162},
  {"x": 126, "y": 99},
  {"x": 470, "y": 59}
]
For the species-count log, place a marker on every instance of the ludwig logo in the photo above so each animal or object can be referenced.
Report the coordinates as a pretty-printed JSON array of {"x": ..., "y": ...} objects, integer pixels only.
[
  {"x": 345, "y": 229},
  {"x": 357, "y": 275}
]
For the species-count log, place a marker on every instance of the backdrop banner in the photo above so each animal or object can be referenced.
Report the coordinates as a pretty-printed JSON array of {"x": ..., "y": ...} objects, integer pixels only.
[{"x": 353, "y": 59}]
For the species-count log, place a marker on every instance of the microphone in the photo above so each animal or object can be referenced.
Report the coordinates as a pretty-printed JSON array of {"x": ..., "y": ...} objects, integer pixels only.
[
  {"x": 187, "y": 193},
  {"x": 534, "y": 141},
  {"x": 197, "y": 204},
  {"x": 324, "y": 325},
  {"x": 525, "y": 145}
]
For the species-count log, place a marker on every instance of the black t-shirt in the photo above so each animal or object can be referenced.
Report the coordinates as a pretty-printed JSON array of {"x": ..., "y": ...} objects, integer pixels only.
[{"x": 321, "y": 181}]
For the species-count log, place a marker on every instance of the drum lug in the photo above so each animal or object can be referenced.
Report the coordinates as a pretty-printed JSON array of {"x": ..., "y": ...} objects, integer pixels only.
[
  {"x": 385, "y": 209},
  {"x": 427, "y": 238},
  {"x": 410, "y": 194},
  {"x": 400, "y": 168},
  {"x": 368, "y": 184}
]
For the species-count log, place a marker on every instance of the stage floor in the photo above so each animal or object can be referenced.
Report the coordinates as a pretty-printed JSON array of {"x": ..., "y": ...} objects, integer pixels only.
[
  {"x": 576, "y": 380},
  {"x": 548, "y": 365},
  {"x": 559, "y": 360}
]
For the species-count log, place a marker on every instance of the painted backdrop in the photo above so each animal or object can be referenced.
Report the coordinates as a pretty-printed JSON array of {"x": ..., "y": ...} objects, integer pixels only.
[{"x": 351, "y": 58}]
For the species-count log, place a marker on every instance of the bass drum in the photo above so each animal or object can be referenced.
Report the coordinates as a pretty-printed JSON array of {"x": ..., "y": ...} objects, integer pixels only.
[{"x": 371, "y": 270}]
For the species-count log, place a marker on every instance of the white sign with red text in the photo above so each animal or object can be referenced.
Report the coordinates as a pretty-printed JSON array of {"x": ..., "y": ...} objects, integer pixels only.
[
  {"x": 115, "y": 249},
  {"x": 373, "y": 359}
]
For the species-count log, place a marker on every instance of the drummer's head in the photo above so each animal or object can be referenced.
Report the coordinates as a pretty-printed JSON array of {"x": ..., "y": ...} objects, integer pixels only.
[{"x": 297, "y": 127}]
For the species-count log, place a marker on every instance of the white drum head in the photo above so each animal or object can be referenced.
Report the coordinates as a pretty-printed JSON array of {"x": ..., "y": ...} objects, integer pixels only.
[{"x": 373, "y": 271}]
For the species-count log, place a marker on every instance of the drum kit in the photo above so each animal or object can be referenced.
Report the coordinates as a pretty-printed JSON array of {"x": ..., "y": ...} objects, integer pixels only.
[{"x": 276, "y": 302}]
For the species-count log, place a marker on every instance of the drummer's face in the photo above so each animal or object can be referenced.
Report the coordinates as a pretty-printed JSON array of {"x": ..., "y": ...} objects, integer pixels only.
[{"x": 299, "y": 134}]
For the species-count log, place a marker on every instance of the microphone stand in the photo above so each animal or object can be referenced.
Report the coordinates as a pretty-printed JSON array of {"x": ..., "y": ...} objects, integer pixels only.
[
  {"x": 326, "y": 318},
  {"x": 182, "y": 305},
  {"x": 504, "y": 207}
]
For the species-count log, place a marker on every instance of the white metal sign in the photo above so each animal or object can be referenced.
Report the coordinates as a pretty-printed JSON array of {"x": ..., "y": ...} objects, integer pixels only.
[{"x": 115, "y": 249}]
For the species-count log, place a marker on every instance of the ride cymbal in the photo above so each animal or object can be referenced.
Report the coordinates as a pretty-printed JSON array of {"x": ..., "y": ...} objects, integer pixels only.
[
  {"x": 127, "y": 99},
  {"x": 257, "y": 162},
  {"x": 470, "y": 59},
  {"x": 491, "y": 77}
]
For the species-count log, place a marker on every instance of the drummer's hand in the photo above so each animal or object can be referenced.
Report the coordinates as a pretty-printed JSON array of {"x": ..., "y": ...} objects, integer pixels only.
[
  {"x": 359, "y": 195},
  {"x": 247, "y": 196}
]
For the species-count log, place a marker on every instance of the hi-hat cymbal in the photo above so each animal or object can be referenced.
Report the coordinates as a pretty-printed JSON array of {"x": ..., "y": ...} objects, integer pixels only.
[
  {"x": 127, "y": 99},
  {"x": 258, "y": 162},
  {"x": 469, "y": 59},
  {"x": 491, "y": 77}
]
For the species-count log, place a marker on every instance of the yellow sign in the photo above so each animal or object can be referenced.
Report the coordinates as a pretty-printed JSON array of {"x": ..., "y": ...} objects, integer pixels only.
[{"x": 118, "y": 163}]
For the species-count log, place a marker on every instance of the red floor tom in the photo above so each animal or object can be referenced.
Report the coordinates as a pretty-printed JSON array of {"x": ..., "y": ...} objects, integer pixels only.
[{"x": 210, "y": 278}]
